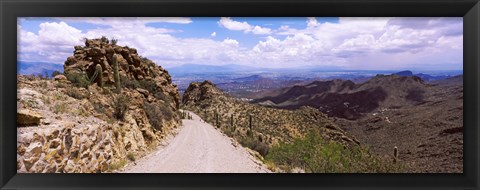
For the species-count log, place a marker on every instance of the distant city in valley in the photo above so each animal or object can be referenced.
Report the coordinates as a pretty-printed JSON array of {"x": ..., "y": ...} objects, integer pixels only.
[{"x": 244, "y": 82}]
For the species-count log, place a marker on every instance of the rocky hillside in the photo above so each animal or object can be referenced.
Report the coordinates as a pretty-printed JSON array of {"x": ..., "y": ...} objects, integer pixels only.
[
  {"x": 109, "y": 107},
  {"x": 429, "y": 135},
  {"x": 424, "y": 120},
  {"x": 268, "y": 125},
  {"x": 345, "y": 99}
]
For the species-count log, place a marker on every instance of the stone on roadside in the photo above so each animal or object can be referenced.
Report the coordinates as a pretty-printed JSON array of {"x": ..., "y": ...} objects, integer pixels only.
[{"x": 28, "y": 117}]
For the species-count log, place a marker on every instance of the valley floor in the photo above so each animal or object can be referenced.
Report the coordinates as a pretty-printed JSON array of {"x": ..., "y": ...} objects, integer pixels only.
[{"x": 198, "y": 148}]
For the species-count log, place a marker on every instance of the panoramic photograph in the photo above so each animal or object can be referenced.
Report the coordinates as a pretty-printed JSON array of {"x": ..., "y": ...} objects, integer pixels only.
[{"x": 239, "y": 95}]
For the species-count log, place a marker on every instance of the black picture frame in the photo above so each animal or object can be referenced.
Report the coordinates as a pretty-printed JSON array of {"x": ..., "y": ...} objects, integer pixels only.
[{"x": 11, "y": 9}]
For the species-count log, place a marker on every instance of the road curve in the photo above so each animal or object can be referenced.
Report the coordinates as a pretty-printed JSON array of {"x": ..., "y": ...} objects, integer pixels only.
[{"x": 198, "y": 148}]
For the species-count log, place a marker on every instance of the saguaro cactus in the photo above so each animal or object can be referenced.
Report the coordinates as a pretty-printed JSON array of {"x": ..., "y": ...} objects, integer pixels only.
[
  {"x": 395, "y": 154},
  {"x": 231, "y": 121},
  {"x": 217, "y": 123},
  {"x": 250, "y": 121},
  {"x": 205, "y": 115},
  {"x": 100, "y": 77},
  {"x": 116, "y": 75}
]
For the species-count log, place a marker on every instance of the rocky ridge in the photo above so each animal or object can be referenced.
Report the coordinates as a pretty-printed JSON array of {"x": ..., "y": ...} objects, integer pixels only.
[
  {"x": 345, "y": 99},
  {"x": 76, "y": 123}
]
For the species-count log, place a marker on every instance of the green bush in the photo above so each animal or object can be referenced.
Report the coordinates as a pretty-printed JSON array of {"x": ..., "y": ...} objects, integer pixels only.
[
  {"x": 114, "y": 41},
  {"x": 148, "y": 85},
  {"x": 127, "y": 83},
  {"x": 156, "y": 112},
  {"x": 55, "y": 73},
  {"x": 316, "y": 155},
  {"x": 117, "y": 165},
  {"x": 131, "y": 156},
  {"x": 255, "y": 144},
  {"x": 78, "y": 79},
  {"x": 98, "y": 107},
  {"x": 104, "y": 39}
]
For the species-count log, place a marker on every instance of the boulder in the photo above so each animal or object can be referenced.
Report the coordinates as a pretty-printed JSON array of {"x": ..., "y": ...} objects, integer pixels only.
[
  {"x": 27, "y": 117},
  {"x": 60, "y": 78},
  {"x": 143, "y": 91},
  {"x": 34, "y": 149},
  {"x": 29, "y": 162}
]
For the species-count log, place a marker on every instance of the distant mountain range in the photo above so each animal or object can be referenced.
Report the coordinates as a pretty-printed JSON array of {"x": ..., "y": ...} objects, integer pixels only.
[
  {"x": 354, "y": 75},
  {"x": 199, "y": 68},
  {"x": 35, "y": 68},
  {"x": 423, "y": 76},
  {"x": 345, "y": 99}
]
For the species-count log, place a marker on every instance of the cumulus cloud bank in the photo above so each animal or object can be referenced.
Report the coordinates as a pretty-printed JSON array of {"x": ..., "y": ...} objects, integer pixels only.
[
  {"x": 350, "y": 43},
  {"x": 230, "y": 24}
]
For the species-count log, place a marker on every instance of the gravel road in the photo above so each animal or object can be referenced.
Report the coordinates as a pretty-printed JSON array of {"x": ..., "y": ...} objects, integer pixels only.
[{"x": 198, "y": 148}]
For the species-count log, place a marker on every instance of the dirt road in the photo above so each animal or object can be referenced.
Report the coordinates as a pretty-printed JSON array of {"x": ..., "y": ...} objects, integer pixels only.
[{"x": 198, "y": 148}]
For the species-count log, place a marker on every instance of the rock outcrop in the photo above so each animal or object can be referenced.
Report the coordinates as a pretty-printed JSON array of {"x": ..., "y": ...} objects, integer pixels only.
[
  {"x": 132, "y": 67},
  {"x": 28, "y": 117},
  {"x": 81, "y": 123}
]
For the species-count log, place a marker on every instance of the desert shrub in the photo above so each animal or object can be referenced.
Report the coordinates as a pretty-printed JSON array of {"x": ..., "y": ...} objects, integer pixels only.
[
  {"x": 46, "y": 100},
  {"x": 114, "y": 41},
  {"x": 55, "y": 73},
  {"x": 120, "y": 106},
  {"x": 43, "y": 76},
  {"x": 148, "y": 85},
  {"x": 82, "y": 111},
  {"x": 104, "y": 39},
  {"x": 127, "y": 83},
  {"x": 117, "y": 165},
  {"x": 144, "y": 59},
  {"x": 60, "y": 85},
  {"x": 31, "y": 77},
  {"x": 44, "y": 85},
  {"x": 131, "y": 156},
  {"x": 59, "y": 108},
  {"x": 98, "y": 107},
  {"x": 30, "y": 103},
  {"x": 316, "y": 155},
  {"x": 106, "y": 91},
  {"x": 156, "y": 112},
  {"x": 255, "y": 144},
  {"x": 162, "y": 96},
  {"x": 78, "y": 79},
  {"x": 75, "y": 93}
]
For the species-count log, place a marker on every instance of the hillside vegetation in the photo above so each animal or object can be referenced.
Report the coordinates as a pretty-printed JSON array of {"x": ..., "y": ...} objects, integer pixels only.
[
  {"x": 282, "y": 136},
  {"x": 423, "y": 119}
]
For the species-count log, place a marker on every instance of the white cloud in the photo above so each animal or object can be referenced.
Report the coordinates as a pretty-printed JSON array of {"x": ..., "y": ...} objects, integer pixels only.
[
  {"x": 230, "y": 24},
  {"x": 312, "y": 22},
  {"x": 230, "y": 42},
  {"x": 260, "y": 30},
  {"x": 115, "y": 21},
  {"x": 358, "y": 43},
  {"x": 54, "y": 42}
]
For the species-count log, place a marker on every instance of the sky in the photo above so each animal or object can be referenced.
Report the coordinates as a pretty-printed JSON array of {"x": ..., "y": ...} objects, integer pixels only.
[{"x": 349, "y": 43}]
